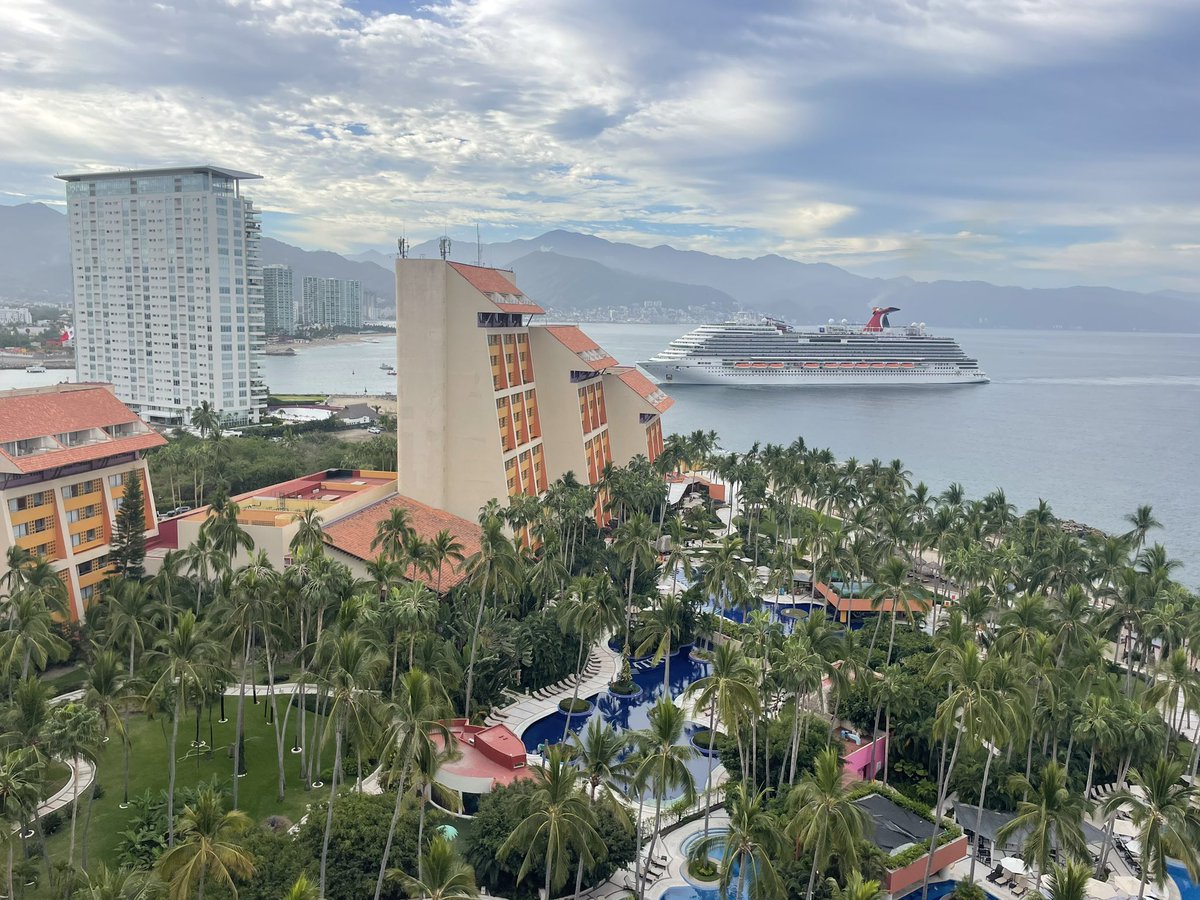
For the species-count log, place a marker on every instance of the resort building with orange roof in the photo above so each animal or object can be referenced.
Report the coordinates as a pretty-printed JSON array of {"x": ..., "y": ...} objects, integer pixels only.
[
  {"x": 490, "y": 405},
  {"x": 66, "y": 452}
]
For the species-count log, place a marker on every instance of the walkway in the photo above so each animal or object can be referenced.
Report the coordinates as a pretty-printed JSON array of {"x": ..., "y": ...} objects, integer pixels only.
[{"x": 603, "y": 667}]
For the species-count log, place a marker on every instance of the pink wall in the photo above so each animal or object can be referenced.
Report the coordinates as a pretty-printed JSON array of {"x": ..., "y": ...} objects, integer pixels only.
[
  {"x": 858, "y": 762},
  {"x": 914, "y": 872}
]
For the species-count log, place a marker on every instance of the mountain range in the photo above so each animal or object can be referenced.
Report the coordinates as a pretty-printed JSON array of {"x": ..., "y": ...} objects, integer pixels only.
[{"x": 580, "y": 273}]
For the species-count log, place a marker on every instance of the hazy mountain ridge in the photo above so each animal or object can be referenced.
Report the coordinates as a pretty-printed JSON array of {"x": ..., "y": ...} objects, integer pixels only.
[{"x": 566, "y": 270}]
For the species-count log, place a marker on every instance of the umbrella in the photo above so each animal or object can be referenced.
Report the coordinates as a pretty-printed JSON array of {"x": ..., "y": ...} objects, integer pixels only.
[
  {"x": 449, "y": 832},
  {"x": 1013, "y": 864},
  {"x": 1099, "y": 890}
]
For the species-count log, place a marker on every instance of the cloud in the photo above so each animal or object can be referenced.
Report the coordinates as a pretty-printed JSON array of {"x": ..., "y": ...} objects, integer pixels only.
[{"x": 957, "y": 138}]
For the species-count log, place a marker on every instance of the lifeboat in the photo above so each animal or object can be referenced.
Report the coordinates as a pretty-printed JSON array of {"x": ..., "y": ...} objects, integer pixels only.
[
  {"x": 812, "y": 365},
  {"x": 776, "y": 365},
  {"x": 877, "y": 365},
  {"x": 741, "y": 365},
  {"x": 862, "y": 365},
  {"x": 848, "y": 365},
  {"x": 907, "y": 365},
  {"x": 758, "y": 365},
  {"x": 832, "y": 365},
  {"x": 893, "y": 365}
]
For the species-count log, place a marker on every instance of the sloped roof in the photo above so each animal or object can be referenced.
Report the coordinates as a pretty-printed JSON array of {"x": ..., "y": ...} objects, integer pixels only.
[
  {"x": 57, "y": 411},
  {"x": 645, "y": 388},
  {"x": 354, "y": 533},
  {"x": 498, "y": 287},
  {"x": 589, "y": 352}
]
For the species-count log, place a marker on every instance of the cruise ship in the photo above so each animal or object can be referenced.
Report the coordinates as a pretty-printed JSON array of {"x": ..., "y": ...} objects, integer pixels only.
[{"x": 769, "y": 352}]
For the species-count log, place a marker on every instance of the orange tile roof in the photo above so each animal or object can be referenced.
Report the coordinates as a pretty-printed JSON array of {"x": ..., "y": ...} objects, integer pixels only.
[
  {"x": 53, "y": 412},
  {"x": 645, "y": 388},
  {"x": 493, "y": 281},
  {"x": 573, "y": 338},
  {"x": 52, "y": 459},
  {"x": 50, "y": 412},
  {"x": 354, "y": 533}
]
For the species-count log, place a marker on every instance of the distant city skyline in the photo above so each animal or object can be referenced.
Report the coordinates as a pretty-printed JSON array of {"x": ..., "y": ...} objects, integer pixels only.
[{"x": 1041, "y": 145}]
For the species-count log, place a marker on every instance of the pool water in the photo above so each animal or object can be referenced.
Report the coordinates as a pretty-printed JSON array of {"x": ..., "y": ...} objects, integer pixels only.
[
  {"x": 629, "y": 713},
  {"x": 938, "y": 890},
  {"x": 1179, "y": 874}
]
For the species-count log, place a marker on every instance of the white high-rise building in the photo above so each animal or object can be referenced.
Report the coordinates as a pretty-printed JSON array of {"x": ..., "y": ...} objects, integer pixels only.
[
  {"x": 331, "y": 302},
  {"x": 279, "y": 302},
  {"x": 168, "y": 290}
]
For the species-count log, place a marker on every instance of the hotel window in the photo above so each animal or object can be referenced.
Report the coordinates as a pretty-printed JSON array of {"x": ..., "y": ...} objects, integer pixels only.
[{"x": 116, "y": 480}]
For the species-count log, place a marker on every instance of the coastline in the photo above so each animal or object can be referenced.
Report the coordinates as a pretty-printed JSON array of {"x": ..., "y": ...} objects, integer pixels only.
[{"x": 296, "y": 343}]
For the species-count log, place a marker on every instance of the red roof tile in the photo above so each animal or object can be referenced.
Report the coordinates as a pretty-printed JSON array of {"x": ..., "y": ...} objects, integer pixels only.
[
  {"x": 53, "y": 412},
  {"x": 645, "y": 388},
  {"x": 52, "y": 459},
  {"x": 493, "y": 281},
  {"x": 573, "y": 338},
  {"x": 46, "y": 413},
  {"x": 354, "y": 533}
]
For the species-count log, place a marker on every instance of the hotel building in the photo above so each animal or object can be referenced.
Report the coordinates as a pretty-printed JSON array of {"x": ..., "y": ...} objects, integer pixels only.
[
  {"x": 279, "y": 301},
  {"x": 331, "y": 302},
  {"x": 65, "y": 453},
  {"x": 491, "y": 405},
  {"x": 168, "y": 290}
]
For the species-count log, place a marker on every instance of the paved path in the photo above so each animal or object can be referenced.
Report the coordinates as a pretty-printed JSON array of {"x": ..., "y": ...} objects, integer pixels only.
[{"x": 604, "y": 664}]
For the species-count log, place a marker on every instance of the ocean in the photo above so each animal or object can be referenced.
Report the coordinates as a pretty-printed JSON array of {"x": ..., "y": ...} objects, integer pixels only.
[{"x": 1095, "y": 423}]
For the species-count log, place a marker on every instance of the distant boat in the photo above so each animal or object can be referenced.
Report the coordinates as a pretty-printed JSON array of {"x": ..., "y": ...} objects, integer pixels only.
[
  {"x": 370, "y": 340},
  {"x": 391, "y": 371},
  {"x": 385, "y": 366},
  {"x": 35, "y": 369}
]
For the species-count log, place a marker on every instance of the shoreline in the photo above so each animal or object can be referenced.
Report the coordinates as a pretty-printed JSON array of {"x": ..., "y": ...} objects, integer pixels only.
[{"x": 383, "y": 337}]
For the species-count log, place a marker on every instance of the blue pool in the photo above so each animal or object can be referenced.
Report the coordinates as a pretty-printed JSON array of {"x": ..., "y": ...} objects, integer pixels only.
[
  {"x": 938, "y": 890},
  {"x": 1179, "y": 875},
  {"x": 628, "y": 713}
]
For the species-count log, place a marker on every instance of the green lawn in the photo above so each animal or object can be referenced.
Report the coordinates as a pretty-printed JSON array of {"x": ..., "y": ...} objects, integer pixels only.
[{"x": 148, "y": 771}]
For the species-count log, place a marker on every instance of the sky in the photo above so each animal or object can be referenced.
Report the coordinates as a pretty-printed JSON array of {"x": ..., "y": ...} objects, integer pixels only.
[{"x": 1031, "y": 142}]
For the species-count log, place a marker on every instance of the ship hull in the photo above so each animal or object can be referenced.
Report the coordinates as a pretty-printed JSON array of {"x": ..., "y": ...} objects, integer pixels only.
[{"x": 683, "y": 372}]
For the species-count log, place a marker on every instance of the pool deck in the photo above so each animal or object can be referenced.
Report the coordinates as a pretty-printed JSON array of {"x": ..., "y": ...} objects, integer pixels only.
[{"x": 602, "y": 668}]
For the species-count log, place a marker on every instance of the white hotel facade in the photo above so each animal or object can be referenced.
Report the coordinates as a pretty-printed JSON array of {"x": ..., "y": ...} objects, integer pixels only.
[{"x": 168, "y": 290}]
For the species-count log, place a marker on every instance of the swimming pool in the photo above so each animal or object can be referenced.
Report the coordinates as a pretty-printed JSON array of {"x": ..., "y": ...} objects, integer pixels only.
[
  {"x": 939, "y": 889},
  {"x": 629, "y": 713},
  {"x": 1179, "y": 875}
]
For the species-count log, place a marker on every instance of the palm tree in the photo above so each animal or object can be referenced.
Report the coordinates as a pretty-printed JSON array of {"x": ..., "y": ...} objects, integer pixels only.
[
  {"x": 29, "y": 638},
  {"x": 443, "y": 549},
  {"x": 1070, "y": 881},
  {"x": 417, "y": 715},
  {"x": 590, "y": 609},
  {"x": 107, "y": 692},
  {"x": 302, "y": 889},
  {"x": 660, "y": 630},
  {"x": 118, "y": 884},
  {"x": 752, "y": 844},
  {"x": 600, "y": 753},
  {"x": 131, "y": 617},
  {"x": 726, "y": 575},
  {"x": 1142, "y": 522},
  {"x": 310, "y": 532},
  {"x": 20, "y": 789},
  {"x": 75, "y": 732},
  {"x": 352, "y": 669},
  {"x": 855, "y": 888},
  {"x": 1166, "y": 814},
  {"x": 633, "y": 543},
  {"x": 393, "y": 534},
  {"x": 1052, "y": 817},
  {"x": 209, "y": 845},
  {"x": 678, "y": 559},
  {"x": 558, "y": 818},
  {"x": 189, "y": 658},
  {"x": 663, "y": 756},
  {"x": 730, "y": 690},
  {"x": 799, "y": 670},
  {"x": 207, "y": 420},
  {"x": 444, "y": 875},
  {"x": 493, "y": 569},
  {"x": 824, "y": 820}
]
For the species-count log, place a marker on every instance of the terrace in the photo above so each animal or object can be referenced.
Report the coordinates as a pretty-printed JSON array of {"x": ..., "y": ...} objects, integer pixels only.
[{"x": 904, "y": 834}]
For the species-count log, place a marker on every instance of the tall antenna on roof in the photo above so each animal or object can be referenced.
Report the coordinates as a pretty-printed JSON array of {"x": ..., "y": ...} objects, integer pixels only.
[
  {"x": 402, "y": 247},
  {"x": 444, "y": 246},
  {"x": 478, "y": 247}
]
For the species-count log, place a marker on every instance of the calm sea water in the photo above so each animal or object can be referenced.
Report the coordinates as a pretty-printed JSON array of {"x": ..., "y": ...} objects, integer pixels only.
[{"x": 1094, "y": 423}]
